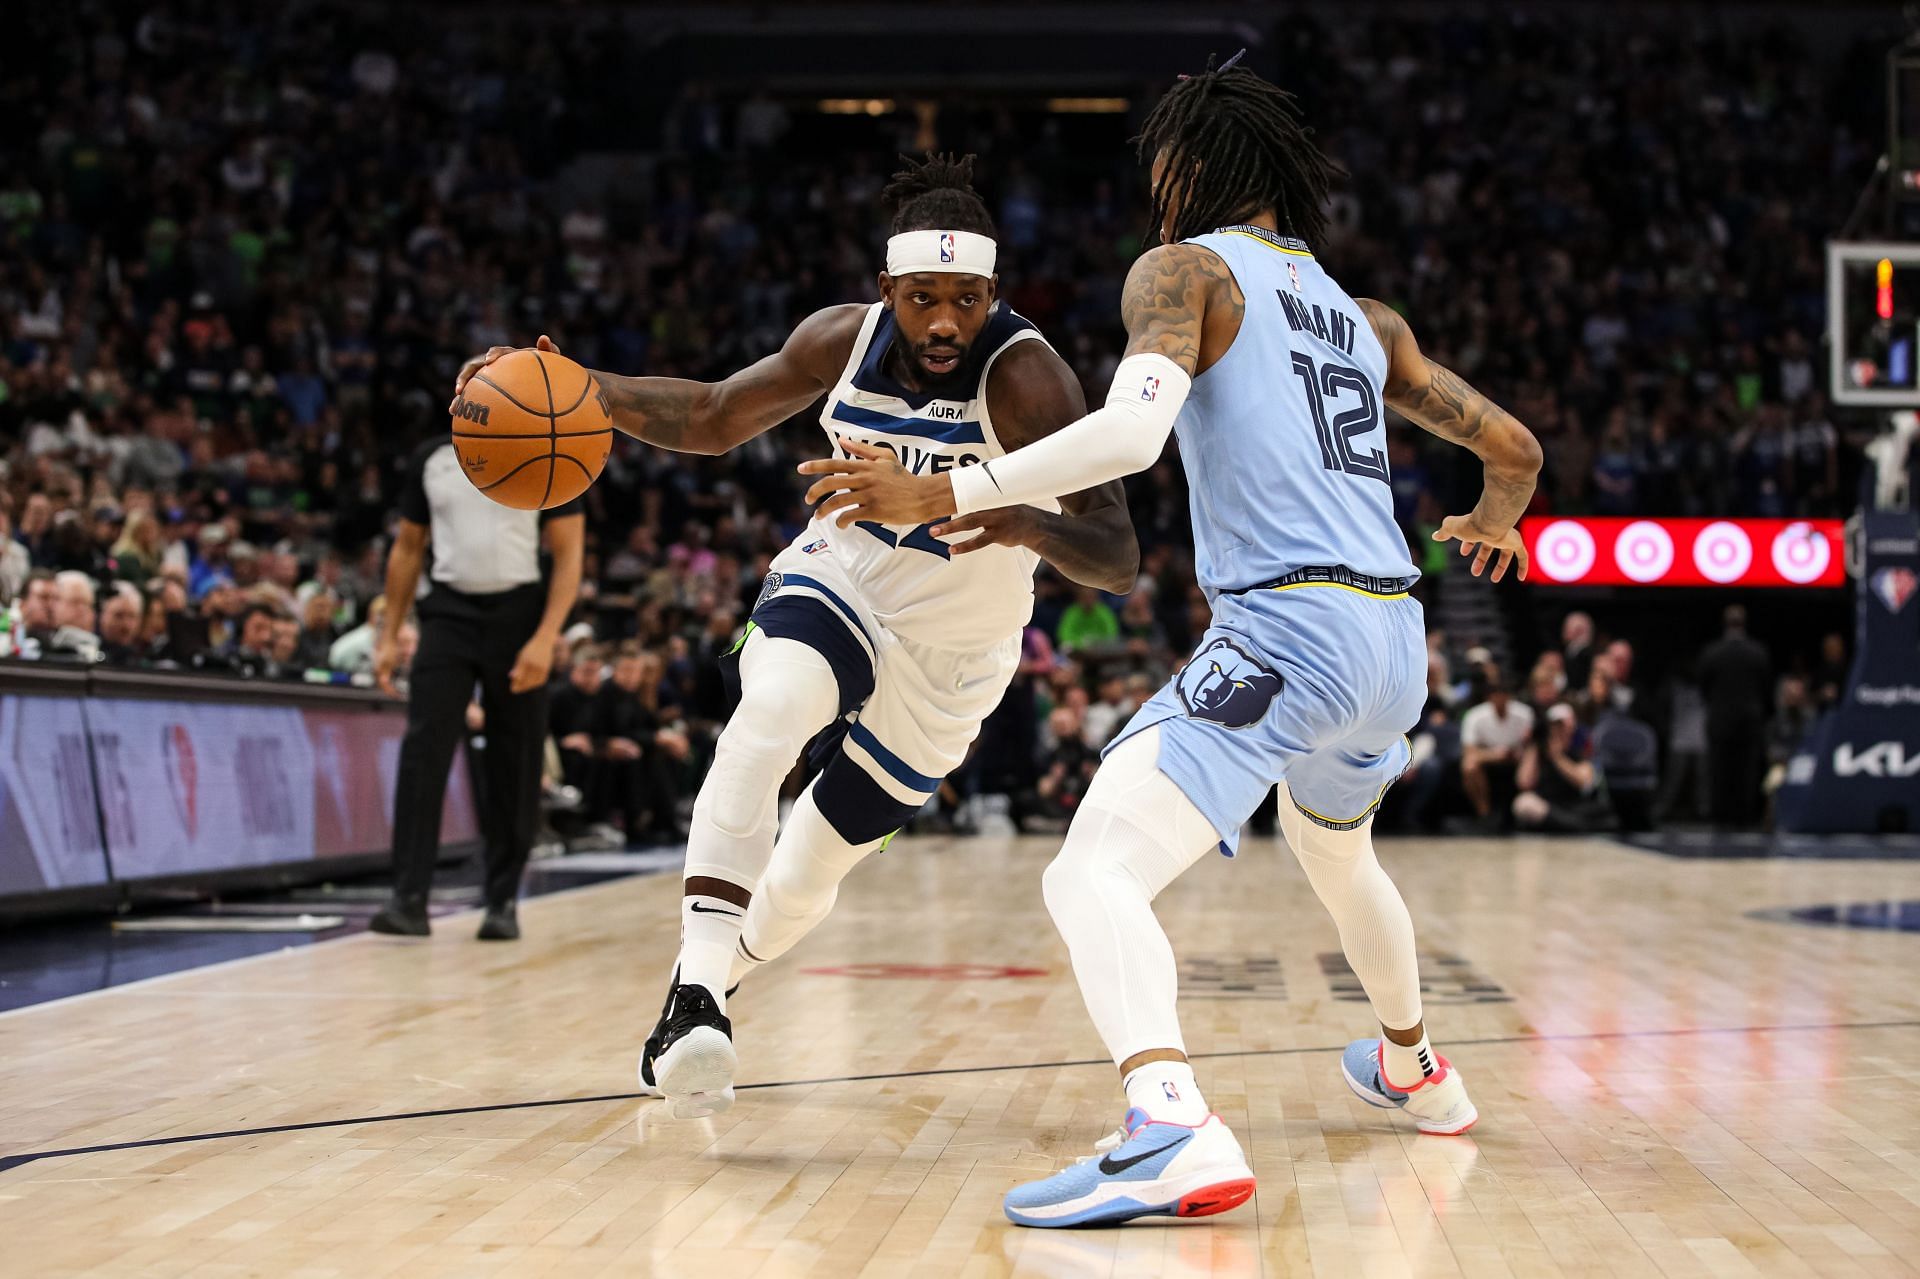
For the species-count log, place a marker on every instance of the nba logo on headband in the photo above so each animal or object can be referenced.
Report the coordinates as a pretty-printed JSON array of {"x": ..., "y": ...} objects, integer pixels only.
[{"x": 947, "y": 251}]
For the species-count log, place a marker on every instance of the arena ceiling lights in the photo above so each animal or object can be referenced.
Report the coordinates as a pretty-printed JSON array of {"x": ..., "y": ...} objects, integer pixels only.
[{"x": 1676, "y": 552}]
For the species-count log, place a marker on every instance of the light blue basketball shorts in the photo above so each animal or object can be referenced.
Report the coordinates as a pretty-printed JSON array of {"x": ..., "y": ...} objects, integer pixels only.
[{"x": 1315, "y": 684}]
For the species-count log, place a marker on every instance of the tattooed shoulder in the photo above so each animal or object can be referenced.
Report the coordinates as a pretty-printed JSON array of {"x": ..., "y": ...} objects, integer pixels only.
[{"x": 1168, "y": 293}]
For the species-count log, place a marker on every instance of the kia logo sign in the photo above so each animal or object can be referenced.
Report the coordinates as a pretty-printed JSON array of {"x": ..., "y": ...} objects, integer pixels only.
[
  {"x": 1882, "y": 759},
  {"x": 1684, "y": 552}
]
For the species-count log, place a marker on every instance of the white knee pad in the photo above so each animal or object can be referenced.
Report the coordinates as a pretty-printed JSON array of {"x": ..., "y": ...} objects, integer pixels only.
[{"x": 788, "y": 693}]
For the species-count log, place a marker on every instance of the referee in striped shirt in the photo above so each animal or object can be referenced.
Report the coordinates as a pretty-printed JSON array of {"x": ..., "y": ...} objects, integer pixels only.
[{"x": 491, "y": 610}]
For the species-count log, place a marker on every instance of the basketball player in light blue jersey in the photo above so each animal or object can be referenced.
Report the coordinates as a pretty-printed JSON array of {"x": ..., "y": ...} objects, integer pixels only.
[
  {"x": 1314, "y": 666},
  {"x": 874, "y": 643}
]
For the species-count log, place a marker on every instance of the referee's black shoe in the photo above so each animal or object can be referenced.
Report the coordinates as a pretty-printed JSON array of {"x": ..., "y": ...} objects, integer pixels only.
[
  {"x": 502, "y": 923},
  {"x": 402, "y": 917}
]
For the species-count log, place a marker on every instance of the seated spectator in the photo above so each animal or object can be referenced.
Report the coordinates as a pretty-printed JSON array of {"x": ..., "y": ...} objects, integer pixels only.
[
  {"x": 571, "y": 720},
  {"x": 73, "y": 617},
  {"x": 286, "y": 646},
  {"x": 1087, "y": 621},
  {"x": 315, "y": 631},
  {"x": 15, "y": 563},
  {"x": 35, "y": 627},
  {"x": 1411, "y": 803},
  {"x": 639, "y": 752},
  {"x": 1793, "y": 716},
  {"x": 121, "y": 620},
  {"x": 1066, "y": 770},
  {"x": 1108, "y": 715},
  {"x": 1558, "y": 785},
  {"x": 250, "y": 651},
  {"x": 1492, "y": 737},
  {"x": 353, "y": 651},
  {"x": 136, "y": 556}
]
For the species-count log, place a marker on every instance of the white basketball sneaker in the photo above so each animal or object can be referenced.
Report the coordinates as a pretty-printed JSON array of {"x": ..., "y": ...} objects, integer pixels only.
[
  {"x": 689, "y": 1058},
  {"x": 1438, "y": 1103}
]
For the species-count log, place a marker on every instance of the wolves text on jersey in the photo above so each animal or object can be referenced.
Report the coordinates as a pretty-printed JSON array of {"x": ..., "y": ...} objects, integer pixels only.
[{"x": 917, "y": 460}]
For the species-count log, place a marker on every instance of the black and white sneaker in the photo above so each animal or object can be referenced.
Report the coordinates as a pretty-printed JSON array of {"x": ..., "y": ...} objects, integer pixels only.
[{"x": 689, "y": 1058}]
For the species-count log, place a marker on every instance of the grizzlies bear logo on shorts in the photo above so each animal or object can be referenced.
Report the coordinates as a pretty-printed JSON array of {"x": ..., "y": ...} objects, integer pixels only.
[{"x": 1224, "y": 685}]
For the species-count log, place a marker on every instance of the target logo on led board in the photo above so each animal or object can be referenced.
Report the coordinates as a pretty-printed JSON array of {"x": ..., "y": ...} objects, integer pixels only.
[
  {"x": 1565, "y": 551},
  {"x": 1723, "y": 552},
  {"x": 1613, "y": 551},
  {"x": 1800, "y": 554},
  {"x": 1644, "y": 551}
]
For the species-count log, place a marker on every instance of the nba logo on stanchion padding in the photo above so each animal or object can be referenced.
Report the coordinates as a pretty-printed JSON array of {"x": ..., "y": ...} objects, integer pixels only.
[
  {"x": 1895, "y": 586},
  {"x": 947, "y": 251}
]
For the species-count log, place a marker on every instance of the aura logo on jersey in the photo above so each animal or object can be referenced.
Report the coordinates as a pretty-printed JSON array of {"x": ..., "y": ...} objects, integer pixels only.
[
  {"x": 1685, "y": 552},
  {"x": 1224, "y": 685}
]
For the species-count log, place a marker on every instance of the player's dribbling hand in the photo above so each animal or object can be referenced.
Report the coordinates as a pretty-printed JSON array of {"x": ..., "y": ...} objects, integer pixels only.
[
  {"x": 871, "y": 484},
  {"x": 1476, "y": 542},
  {"x": 1003, "y": 526},
  {"x": 479, "y": 362}
]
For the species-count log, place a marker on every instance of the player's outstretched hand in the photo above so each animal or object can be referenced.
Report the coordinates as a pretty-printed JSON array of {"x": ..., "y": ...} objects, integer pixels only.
[
  {"x": 870, "y": 484},
  {"x": 1003, "y": 526},
  {"x": 1477, "y": 542},
  {"x": 479, "y": 362}
]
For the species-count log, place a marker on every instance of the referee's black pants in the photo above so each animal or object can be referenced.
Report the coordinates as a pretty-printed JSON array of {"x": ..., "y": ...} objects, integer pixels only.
[{"x": 468, "y": 640}]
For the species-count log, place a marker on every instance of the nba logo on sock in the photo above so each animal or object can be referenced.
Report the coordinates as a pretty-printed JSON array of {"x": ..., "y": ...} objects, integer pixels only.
[
  {"x": 1166, "y": 1086},
  {"x": 947, "y": 252},
  {"x": 1150, "y": 389}
]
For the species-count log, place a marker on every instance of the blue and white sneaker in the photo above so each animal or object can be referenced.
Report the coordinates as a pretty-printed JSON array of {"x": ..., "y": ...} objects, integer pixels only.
[
  {"x": 1148, "y": 1168},
  {"x": 1439, "y": 1103}
]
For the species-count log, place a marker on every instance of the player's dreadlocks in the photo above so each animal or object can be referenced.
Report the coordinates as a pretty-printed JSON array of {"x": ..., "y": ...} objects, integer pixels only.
[
  {"x": 1235, "y": 145},
  {"x": 937, "y": 192}
]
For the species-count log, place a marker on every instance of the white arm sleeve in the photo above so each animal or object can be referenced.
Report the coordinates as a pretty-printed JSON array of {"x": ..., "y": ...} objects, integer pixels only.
[{"x": 1125, "y": 436}]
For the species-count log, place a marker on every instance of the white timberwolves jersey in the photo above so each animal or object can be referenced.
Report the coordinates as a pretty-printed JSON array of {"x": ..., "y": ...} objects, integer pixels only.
[{"x": 907, "y": 577}]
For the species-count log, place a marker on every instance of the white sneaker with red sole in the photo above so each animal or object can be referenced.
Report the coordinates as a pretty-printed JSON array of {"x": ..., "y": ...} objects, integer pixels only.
[{"x": 1438, "y": 1103}]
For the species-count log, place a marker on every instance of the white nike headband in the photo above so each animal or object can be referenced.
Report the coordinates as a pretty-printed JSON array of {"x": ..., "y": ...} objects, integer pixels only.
[{"x": 956, "y": 252}]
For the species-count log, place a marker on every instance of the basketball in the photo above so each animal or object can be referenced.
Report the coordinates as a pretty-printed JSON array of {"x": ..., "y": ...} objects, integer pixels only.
[{"x": 533, "y": 430}]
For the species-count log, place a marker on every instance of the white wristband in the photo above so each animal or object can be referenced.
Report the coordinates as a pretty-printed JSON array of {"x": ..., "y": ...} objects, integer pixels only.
[{"x": 1126, "y": 435}]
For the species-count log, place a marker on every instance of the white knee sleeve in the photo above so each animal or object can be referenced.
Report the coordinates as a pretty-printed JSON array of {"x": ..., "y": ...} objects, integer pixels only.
[
  {"x": 1134, "y": 833},
  {"x": 788, "y": 693},
  {"x": 1375, "y": 930},
  {"x": 801, "y": 884}
]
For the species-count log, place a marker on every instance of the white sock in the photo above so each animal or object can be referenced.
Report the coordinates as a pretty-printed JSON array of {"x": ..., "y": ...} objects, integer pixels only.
[
  {"x": 709, "y": 927},
  {"x": 1407, "y": 1065},
  {"x": 801, "y": 884},
  {"x": 1375, "y": 930},
  {"x": 1167, "y": 1091},
  {"x": 1134, "y": 832}
]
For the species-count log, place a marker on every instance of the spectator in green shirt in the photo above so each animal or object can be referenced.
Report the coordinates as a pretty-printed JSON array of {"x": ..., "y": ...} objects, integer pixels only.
[{"x": 1087, "y": 621}]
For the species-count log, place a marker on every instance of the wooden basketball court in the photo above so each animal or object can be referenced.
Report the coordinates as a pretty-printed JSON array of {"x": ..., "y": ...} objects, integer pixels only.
[{"x": 1667, "y": 1084}]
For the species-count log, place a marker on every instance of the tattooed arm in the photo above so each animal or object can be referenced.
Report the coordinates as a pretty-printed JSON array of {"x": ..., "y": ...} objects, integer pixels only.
[
  {"x": 713, "y": 417},
  {"x": 1031, "y": 394},
  {"x": 1180, "y": 300},
  {"x": 1440, "y": 401}
]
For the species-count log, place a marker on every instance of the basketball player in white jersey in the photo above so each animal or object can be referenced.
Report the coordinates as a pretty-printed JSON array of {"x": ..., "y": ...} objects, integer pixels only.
[
  {"x": 1314, "y": 666},
  {"x": 877, "y": 631}
]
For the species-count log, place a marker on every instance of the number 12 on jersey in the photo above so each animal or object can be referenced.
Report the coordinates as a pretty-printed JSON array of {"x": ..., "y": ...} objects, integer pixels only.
[{"x": 1339, "y": 448}]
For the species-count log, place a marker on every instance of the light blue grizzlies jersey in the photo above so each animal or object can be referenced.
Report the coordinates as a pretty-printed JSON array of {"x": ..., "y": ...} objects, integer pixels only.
[{"x": 1284, "y": 439}]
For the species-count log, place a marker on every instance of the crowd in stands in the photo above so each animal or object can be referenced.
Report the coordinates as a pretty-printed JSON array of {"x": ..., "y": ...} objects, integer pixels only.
[{"x": 244, "y": 249}]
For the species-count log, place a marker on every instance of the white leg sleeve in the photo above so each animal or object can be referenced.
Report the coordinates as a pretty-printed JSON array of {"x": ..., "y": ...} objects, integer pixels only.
[
  {"x": 799, "y": 889},
  {"x": 788, "y": 694},
  {"x": 1375, "y": 930},
  {"x": 1134, "y": 833}
]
